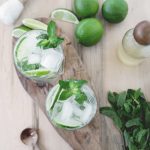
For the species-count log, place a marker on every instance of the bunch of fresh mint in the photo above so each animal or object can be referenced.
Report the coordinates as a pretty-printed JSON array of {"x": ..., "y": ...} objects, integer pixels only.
[
  {"x": 130, "y": 112},
  {"x": 70, "y": 88},
  {"x": 50, "y": 40}
]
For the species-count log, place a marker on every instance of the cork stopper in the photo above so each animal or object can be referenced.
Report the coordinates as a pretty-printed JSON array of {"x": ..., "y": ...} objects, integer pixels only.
[{"x": 142, "y": 33}]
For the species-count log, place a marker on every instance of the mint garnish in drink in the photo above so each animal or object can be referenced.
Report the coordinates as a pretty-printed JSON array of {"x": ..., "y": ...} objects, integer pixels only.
[
  {"x": 70, "y": 88},
  {"x": 26, "y": 66},
  {"x": 73, "y": 88},
  {"x": 50, "y": 40}
]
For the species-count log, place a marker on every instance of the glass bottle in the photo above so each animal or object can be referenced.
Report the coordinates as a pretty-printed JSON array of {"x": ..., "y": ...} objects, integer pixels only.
[{"x": 135, "y": 44}]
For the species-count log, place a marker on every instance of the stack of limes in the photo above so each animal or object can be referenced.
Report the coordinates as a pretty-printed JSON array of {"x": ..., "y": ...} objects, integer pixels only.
[{"x": 89, "y": 30}]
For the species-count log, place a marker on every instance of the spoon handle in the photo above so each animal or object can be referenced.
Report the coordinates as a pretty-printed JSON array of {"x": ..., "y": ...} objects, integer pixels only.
[{"x": 35, "y": 115}]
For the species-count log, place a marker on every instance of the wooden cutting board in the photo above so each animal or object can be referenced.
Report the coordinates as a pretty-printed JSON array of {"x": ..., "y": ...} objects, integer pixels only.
[{"x": 87, "y": 138}]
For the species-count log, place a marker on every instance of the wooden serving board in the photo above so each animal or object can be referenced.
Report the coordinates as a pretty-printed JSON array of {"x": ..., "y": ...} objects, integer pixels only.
[{"x": 87, "y": 138}]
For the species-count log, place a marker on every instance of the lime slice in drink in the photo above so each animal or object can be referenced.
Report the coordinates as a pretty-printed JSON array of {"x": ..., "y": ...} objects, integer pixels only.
[
  {"x": 18, "y": 53},
  {"x": 26, "y": 44},
  {"x": 69, "y": 123},
  {"x": 51, "y": 97},
  {"x": 19, "y": 31},
  {"x": 34, "y": 24},
  {"x": 64, "y": 15},
  {"x": 37, "y": 73}
]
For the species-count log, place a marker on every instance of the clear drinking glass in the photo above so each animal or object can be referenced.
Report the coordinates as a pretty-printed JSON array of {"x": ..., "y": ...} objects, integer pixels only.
[
  {"x": 69, "y": 114},
  {"x": 35, "y": 63}
]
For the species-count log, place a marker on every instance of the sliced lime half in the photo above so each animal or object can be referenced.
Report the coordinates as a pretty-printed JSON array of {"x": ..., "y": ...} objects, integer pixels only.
[
  {"x": 34, "y": 24},
  {"x": 64, "y": 15},
  {"x": 19, "y": 31}
]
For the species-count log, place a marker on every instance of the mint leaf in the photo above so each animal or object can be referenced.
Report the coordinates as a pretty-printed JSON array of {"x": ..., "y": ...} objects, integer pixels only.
[
  {"x": 133, "y": 122},
  {"x": 132, "y": 146},
  {"x": 26, "y": 67},
  {"x": 59, "y": 40},
  {"x": 110, "y": 112},
  {"x": 43, "y": 43},
  {"x": 42, "y": 36},
  {"x": 129, "y": 141},
  {"x": 77, "y": 83},
  {"x": 126, "y": 137},
  {"x": 147, "y": 116},
  {"x": 127, "y": 107},
  {"x": 81, "y": 97},
  {"x": 50, "y": 40},
  {"x": 64, "y": 84},
  {"x": 112, "y": 99},
  {"x": 142, "y": 134},
  {"x": 137, "y": 94},
  {"x": 55, "y": 41},
  {"x": 51, "y": 30},
  {"x": 73, "y": 87},
  {"x": 121, "y": 99},
  {"x": 65, "y": 95}
]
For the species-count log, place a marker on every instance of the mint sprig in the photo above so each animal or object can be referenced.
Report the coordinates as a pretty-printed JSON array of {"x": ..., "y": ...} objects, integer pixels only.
[
  {"x": 130, "y": 113},
  {"x": 50, "y": 40},
  {"x": 71, "y": 88},
  {"x": 27, "y": 67}
]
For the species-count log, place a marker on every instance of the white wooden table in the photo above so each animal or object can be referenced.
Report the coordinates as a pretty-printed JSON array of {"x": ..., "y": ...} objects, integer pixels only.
[{"x": 16, "y": 106}]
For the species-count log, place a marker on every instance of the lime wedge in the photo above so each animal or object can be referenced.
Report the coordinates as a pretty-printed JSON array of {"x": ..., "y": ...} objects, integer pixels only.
[
  {"x": 37, "y": 73},
  {"x": 34, "y": 24},
  {"x": 19, "y": 31},
  {"x": 64, "y": 15}
]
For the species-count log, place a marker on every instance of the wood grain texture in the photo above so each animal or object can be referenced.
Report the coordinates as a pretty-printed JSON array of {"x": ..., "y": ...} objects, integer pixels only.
[
  {"x": 86, "y": 138},
  {"x": 100, "y": 61}
]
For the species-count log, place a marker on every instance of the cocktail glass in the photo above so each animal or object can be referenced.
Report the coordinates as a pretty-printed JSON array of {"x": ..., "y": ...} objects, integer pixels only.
[{"x": 36, "y": 63}]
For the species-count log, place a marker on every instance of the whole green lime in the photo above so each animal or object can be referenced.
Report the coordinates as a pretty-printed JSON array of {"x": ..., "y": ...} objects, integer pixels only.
[
  {"x": 86, "y": 8},
  {"x": 89, "y": 31},
  {"x": 115, "y": 11}
]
